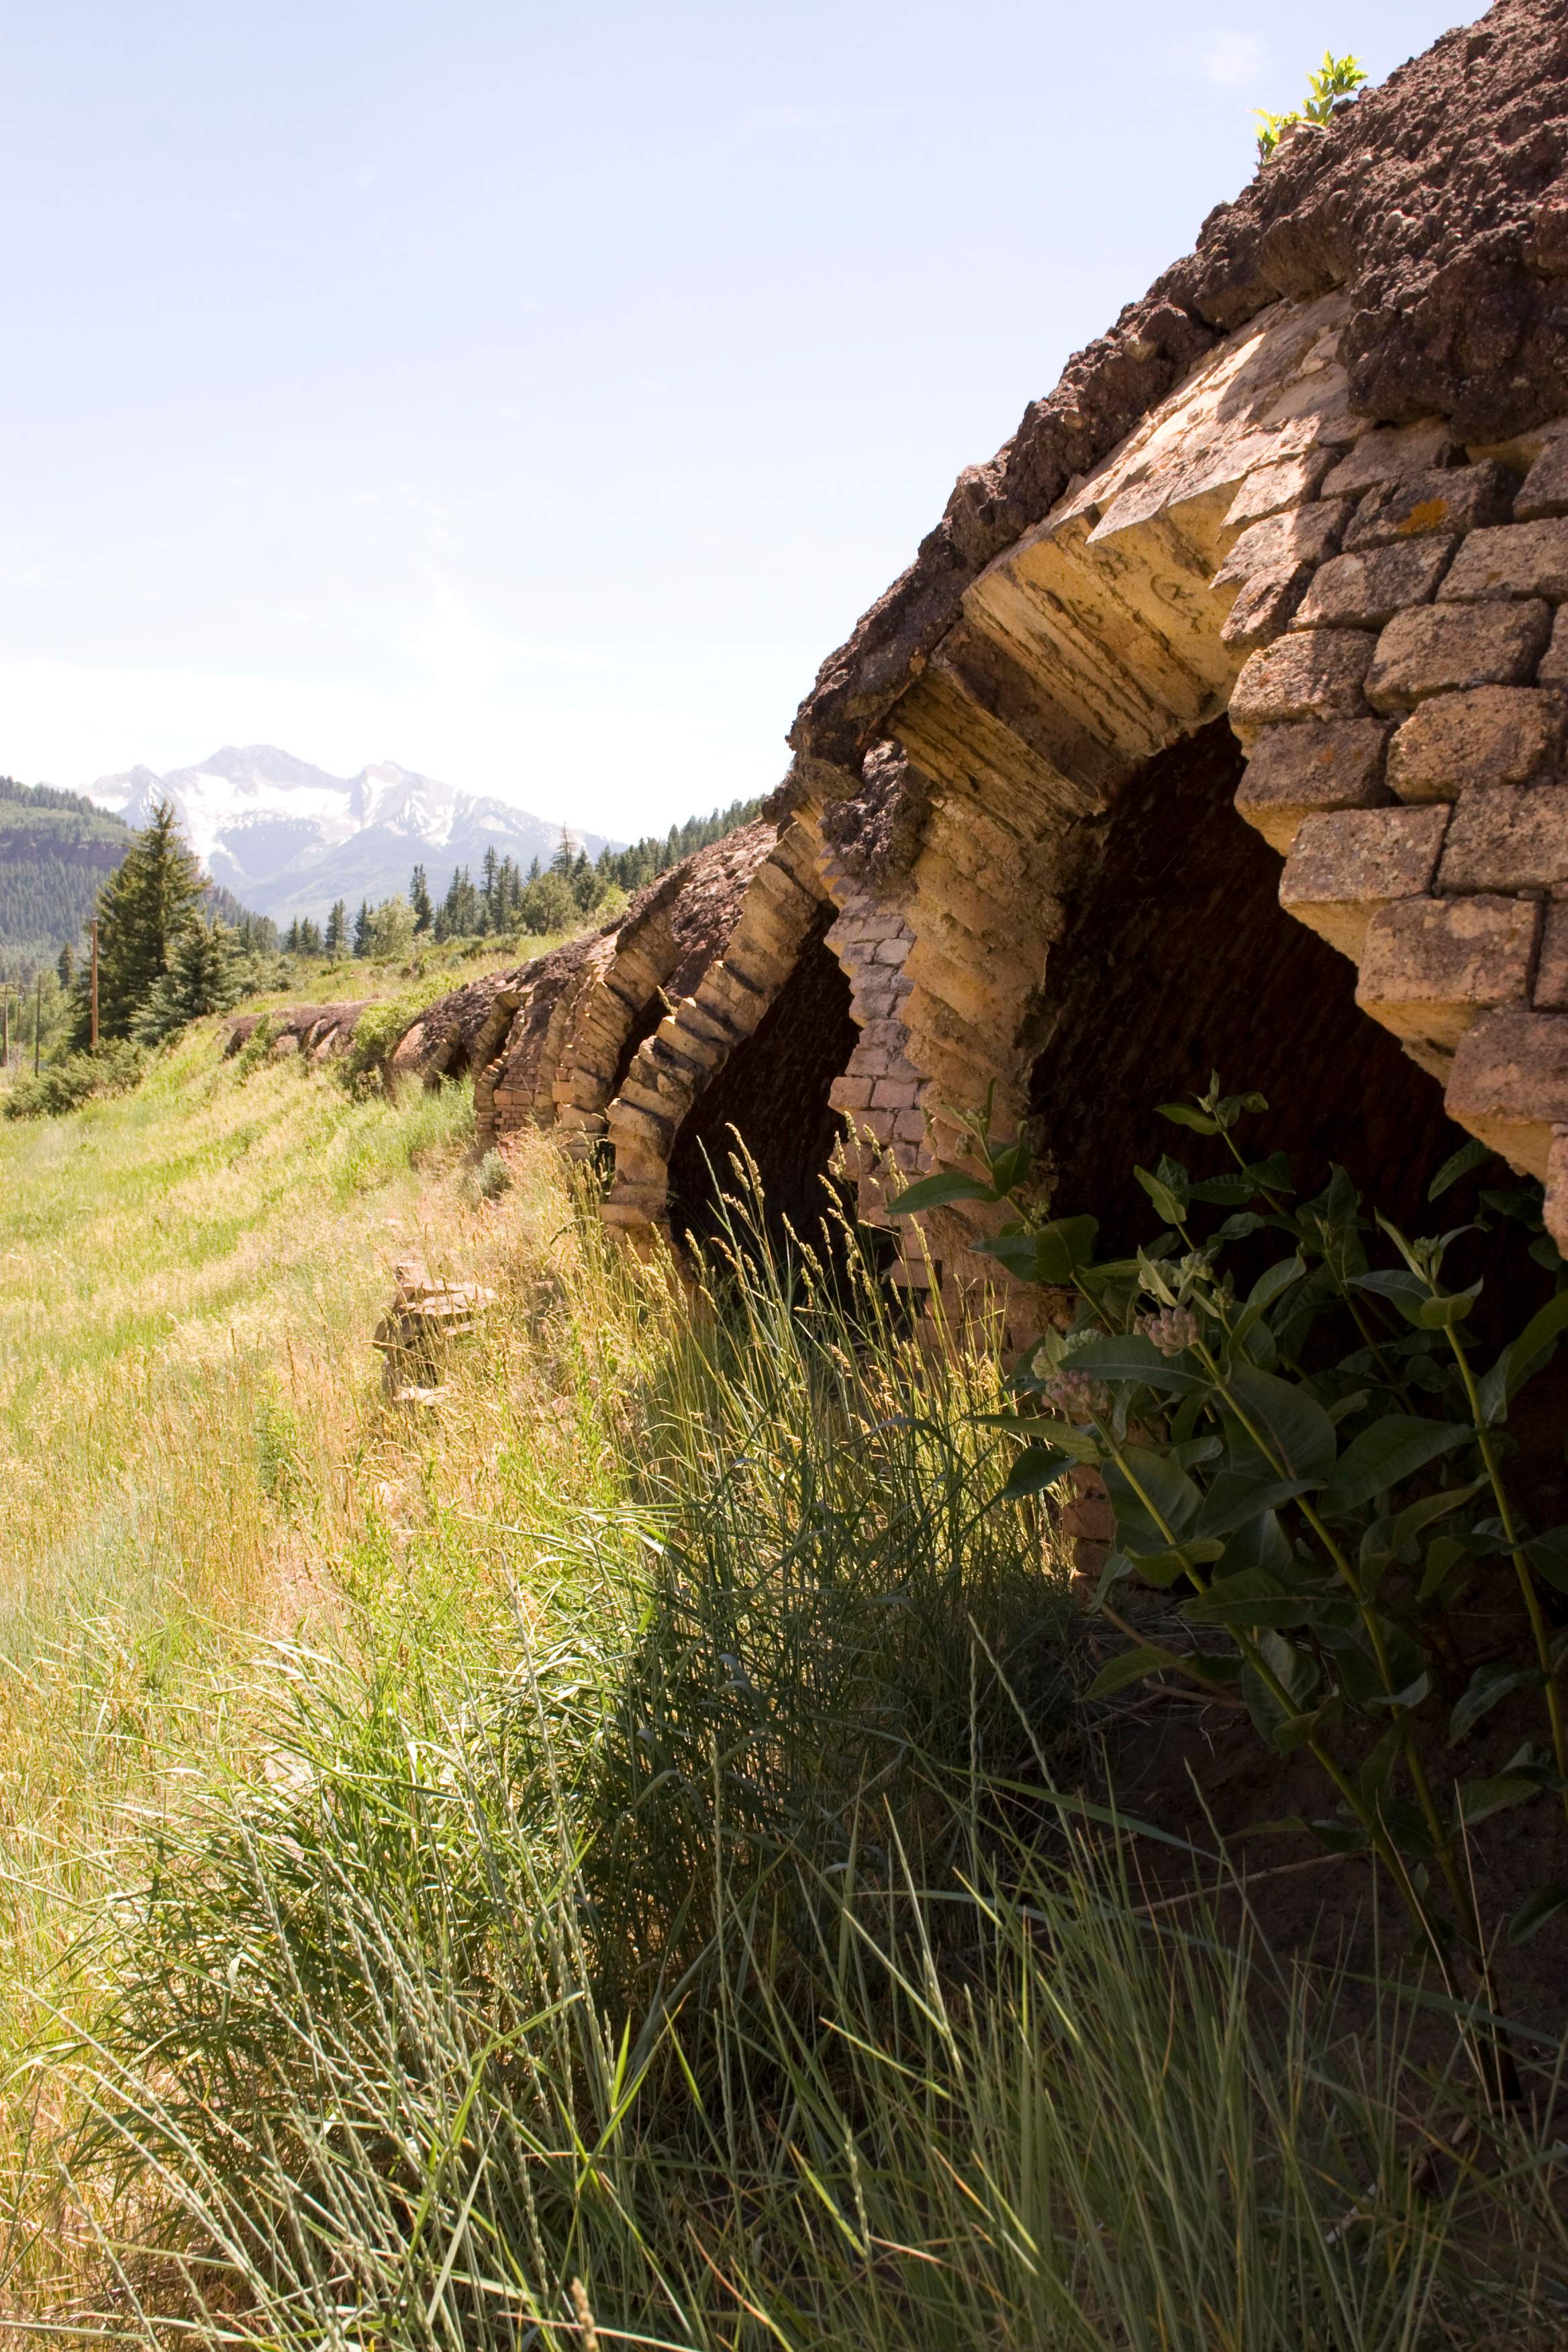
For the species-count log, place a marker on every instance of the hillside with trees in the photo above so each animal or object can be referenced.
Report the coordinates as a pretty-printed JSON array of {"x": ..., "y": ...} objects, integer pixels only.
[{"x": 56, "y": 849}]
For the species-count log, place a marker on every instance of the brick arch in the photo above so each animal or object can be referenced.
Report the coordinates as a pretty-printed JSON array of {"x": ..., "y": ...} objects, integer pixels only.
[
  {"x": 673, "y": 931},
  {"x": 785, "y": 900},
  {"x": 1380, "y": 634}
]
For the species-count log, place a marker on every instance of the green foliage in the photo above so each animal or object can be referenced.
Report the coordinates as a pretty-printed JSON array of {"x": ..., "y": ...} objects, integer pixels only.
[
  {"x": 1336, "y": 80},
  {"x": 153, "y": 895},
  {"x": 206, "y": 974},
  {"x": 65, "y": 1085},
  {"x": 506, "y": 900},
  {"x": 1314, "y": 1462},
  {"x": 384, "y": 933},
  {"x": 705, "y": 1967}
]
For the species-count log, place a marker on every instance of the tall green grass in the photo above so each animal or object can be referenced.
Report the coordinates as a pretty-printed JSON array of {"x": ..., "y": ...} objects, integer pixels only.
[{"x": 705, "y": 1943}]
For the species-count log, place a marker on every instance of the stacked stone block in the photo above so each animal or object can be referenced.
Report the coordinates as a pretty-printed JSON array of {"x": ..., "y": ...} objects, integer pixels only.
[
  {"x": 1405, "y": 720},
  {"x": 696, "y": 1037},
  {"x": 879, "y": 1092}
]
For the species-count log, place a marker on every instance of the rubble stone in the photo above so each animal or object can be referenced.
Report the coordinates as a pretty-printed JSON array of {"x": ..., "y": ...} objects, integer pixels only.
[
  {"x": 1430, "y": 966},
  {"x": 1437, "y": 650},
  {"x": 1545, "y": 490},
  {"x": 1269, "y": 490},
  {"x": 1390, "y": 455},
  {"x": 1310, "y": 674},
  {"x": 1347, "y": 866},
  {"x": 1508, "y": 837},
  {"x": 1553, "y": 665},
  {"x": 1551, "y": 992},
  {"x": 1491, "y": 735},
  {"x": 1509, "y": 1084},
  {"x": 1440, "y": 500},
  {"x": 1522, "y": 559},
  {"x": 1365, "y": 591},
  {"x": 1302, "y": 770}
]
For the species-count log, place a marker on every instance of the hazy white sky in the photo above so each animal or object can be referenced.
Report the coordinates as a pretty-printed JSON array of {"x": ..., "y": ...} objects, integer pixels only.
[{"x": 535, "y": 395}]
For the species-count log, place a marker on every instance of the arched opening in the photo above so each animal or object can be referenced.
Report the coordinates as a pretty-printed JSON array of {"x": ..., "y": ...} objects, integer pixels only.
[
  {"x": 774, "y": 1090},
  {"x": 1180, "y": 959}
]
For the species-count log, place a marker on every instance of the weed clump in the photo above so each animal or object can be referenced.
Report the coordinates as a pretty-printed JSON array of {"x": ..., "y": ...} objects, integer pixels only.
[{"x": 114, "y": 1068}]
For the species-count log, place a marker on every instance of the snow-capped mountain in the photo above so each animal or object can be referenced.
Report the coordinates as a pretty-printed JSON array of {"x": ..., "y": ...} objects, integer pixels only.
[{"x": 287, "y": 838}]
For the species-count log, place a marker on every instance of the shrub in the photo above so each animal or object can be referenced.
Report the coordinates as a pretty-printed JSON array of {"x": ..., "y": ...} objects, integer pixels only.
[
  {"x": 1311, "y": 1459},
  {"x": 114, "y": 1069}
]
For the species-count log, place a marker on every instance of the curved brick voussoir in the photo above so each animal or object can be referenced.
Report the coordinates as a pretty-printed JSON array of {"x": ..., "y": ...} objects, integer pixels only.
[
  {"x": 783, "y": 900},
  {"x": 669, "y": 935}
]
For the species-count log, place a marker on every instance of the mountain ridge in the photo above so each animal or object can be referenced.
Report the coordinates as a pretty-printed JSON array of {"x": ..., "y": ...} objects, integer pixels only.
[{"x": 291, "y": 838}]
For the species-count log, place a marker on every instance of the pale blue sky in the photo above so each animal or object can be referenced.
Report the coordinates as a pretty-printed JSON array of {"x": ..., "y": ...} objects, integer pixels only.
[{"x": 535, "y": 395}]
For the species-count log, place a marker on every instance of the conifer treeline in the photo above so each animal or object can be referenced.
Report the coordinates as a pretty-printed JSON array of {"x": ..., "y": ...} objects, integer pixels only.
[{"x": 507, "y": 900}]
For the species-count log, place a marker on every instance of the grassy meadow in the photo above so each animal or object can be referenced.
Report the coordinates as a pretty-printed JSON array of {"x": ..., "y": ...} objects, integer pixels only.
[{"x": 610, "y": 1857}]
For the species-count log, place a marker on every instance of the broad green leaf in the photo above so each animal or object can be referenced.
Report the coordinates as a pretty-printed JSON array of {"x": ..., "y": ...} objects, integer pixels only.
[
  {"x": 1479, "y": 1799},
  {"x": 1487, "y": 1686},
  {"x": 1441, "y": 1314},
  {"x": 1535, "y": 1911},
  {"x": 1235, "y": 1499},
  {"x": 1166, "y": 1516},
  {"x": 1442, "y": 1557},
  {"x": 1010, "y": 1168},
  {"x": 1134, "y": 1358},
  {"x": 1296, "y": 1730},
  {"x": 1400, "y": 1287},
  {"x": 1016, "y": 1251},
  {"x": 1340, "y": 1837},
  {"x": 1384, "y": 1455},
  {"x": 1408, "y": 1695},
  {"x": 1473, "y": 1154},
  {"x": 1523, "y": 1358},
  {"x": 1377, "y": 1771},
  {"x": 1038, "y": 1467},
  {"x": 1176, "y": 1560},
  {"x": 1548, "y": 1556},
  {"x": 1223, "y": 1190},
  {"x": 1077, "y": 1445},
  {"x": 1251, "y": 1601},
  {"x": 1129, "y": 1667},
  {"x": 1270, "y": 1285},
  {"x": 1415, "y": 1516},
  {"x": 1062, "y": 1247},
  {"x": 1183, "y": 1115},
  {"x": 1292, "y": 1424},
  {"x": 938, "y": 1191},
  {"x": 1166, "y": 1204},
  {"x": 1406, "y": 1825}
]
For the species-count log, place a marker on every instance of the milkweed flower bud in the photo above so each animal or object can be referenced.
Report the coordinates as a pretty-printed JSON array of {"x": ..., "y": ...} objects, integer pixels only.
[
  {"x": 1078, "y": 1396},
  {"x": 1173, "y": 1329}
]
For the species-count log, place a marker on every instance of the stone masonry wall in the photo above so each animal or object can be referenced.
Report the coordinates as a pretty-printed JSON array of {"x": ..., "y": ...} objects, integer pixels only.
[{"x": 1318, "y": 481}]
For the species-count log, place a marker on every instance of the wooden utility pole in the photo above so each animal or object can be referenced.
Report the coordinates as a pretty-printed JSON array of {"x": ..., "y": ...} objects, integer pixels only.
[
  {"x": 5, "y": 1044},
  {"x": 92, "y": 1014},
  {"x": 39, "y": 1022}
]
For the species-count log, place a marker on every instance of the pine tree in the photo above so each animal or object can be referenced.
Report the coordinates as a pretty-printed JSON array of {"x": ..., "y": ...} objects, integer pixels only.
[
  {"x": 309, "y": 937},
  {"x": 201, "y": 978},
  {"x": 419, "y": 899},
  {"x": 361, "y": 928},
  {"x": 66, "y": 968},
  {"x": 292, "y": 937},
  {"x": 143, "y": 908},
  {"x": 337, "y": 929}
]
